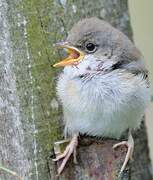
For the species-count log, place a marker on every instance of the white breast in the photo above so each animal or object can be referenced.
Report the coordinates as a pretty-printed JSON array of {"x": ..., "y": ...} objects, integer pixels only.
[{"x": 104, "y": 105}]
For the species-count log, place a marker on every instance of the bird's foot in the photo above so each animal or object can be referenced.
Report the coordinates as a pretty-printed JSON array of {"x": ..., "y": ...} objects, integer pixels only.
[
  {"x": 70, "y": 149},
  {"x": 130, "y": 148}
]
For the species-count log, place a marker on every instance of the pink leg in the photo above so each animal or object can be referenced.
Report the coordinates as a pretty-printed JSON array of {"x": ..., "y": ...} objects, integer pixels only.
[
  {"x": 130, "y": 146},
  {"x": 70, "y": 149}
]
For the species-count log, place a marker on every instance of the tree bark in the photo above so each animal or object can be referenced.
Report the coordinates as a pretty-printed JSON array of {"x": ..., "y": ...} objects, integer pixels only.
[{"x": 31, "y": 116}]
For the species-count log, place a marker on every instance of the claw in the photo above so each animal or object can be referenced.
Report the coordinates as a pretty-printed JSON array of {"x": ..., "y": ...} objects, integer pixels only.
[
  {"x": 70, "y": 149},
  {"x": 130, "y": 146}
]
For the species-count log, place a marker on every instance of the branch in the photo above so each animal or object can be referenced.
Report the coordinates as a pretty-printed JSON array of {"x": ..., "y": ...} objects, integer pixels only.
[{"x": 97, "y": 160}]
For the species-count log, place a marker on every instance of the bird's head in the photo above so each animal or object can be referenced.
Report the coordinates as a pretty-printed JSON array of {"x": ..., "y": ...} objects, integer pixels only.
[{"x": 94, "y": 45}]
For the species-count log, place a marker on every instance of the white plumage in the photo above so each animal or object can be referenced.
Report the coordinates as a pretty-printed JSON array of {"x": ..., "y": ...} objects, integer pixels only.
[{"x": 99, "y": 103}]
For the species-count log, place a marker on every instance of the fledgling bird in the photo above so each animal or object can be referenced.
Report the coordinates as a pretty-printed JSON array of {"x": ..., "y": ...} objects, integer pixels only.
[{"x": 103, "y": 87}]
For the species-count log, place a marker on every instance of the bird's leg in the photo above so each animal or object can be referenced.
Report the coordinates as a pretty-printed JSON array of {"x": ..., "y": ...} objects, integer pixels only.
[
  {"x": 130, "y": 146},
  {"x": 70, "y": 149}
]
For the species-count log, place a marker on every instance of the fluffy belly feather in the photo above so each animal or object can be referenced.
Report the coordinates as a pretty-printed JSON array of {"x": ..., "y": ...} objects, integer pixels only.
[{"x": 104, "y": 105}]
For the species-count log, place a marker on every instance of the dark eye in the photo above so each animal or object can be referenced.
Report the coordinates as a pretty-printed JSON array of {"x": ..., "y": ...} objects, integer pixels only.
[{"x": 90, "y": 47}]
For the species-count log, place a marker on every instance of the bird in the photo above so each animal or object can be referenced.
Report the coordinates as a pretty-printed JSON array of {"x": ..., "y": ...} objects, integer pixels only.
[{"x": 103, "y": 87}]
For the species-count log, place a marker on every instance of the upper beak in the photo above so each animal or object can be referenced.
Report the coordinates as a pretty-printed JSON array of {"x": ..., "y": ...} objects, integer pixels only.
[{"x": 74, "y": 55}]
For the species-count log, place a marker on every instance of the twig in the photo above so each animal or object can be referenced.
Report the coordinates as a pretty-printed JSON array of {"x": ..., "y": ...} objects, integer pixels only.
[{"x": 11, "y": 172}]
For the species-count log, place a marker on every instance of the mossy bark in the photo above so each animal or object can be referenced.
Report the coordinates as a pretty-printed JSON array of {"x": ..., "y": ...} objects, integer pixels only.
[{"x": 31, "y": 116}]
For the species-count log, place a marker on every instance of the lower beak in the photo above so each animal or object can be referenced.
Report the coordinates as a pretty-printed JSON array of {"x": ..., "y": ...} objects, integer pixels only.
[{"x": 74, "y": 55}]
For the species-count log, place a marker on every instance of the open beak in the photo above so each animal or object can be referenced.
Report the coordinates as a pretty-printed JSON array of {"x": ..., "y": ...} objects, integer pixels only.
[{"x": 74, "y": 55}]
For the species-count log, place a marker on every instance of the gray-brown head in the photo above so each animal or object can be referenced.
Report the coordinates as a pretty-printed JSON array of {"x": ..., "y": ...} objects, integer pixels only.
[{"x": 96, "y": 38}]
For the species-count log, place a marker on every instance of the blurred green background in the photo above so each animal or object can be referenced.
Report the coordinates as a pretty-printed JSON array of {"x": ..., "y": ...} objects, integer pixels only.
[{"x": 141, "y": 12}]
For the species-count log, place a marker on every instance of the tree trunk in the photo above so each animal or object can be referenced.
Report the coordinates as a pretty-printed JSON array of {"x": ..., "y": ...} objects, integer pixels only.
[{"x": 30, "y": 114}]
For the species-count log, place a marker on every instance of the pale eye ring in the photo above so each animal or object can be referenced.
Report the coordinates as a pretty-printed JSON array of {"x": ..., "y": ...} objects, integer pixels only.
[{"x": 90, "y": 47}]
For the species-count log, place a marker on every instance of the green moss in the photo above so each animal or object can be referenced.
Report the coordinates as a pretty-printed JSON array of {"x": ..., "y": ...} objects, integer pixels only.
[
  {"x": 42, "y": 54},
  {"x": 33, "y": 31}
]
